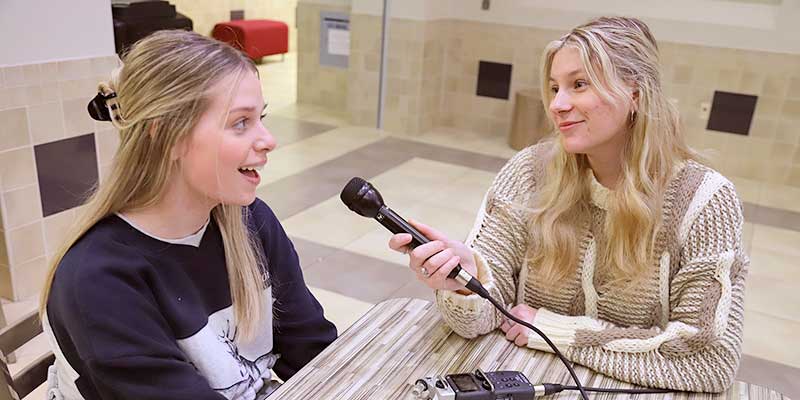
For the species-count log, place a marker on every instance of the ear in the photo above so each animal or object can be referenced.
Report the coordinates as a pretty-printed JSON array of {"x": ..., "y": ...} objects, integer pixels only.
[{"x": 635, "y": 99}]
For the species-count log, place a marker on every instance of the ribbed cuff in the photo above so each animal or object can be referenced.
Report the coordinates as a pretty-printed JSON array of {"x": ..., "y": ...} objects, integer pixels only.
[
  {"x": 471, "y": 302},
  {"x": 560, "y": 329}
]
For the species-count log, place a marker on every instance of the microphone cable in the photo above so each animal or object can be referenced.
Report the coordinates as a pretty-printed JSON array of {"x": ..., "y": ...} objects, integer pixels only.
[{"x": 476, "y": 287}]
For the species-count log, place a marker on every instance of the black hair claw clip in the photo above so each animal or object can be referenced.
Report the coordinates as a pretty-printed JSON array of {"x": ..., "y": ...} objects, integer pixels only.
[{"x": 98, "y": 107}]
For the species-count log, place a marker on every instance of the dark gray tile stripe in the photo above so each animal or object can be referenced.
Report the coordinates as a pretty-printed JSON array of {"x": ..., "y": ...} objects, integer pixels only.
[
  {"x": 296, "y": 193},
  {"x": 775, "y": 217},
  {"x": 354, "y": 275}
]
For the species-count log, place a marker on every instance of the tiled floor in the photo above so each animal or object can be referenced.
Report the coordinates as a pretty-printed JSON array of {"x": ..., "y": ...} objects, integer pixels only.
[{"x": 440, "y": 178}]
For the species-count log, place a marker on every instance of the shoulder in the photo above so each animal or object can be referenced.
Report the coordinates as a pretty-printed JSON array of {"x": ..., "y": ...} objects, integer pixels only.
[
  {"x": 703, "y": 195},
  {"x": 702, "y": 185},
  {"x": 105, "y": 250},
  {"x": 100, "y": 267},
  {"x": 519, "y": 175}
]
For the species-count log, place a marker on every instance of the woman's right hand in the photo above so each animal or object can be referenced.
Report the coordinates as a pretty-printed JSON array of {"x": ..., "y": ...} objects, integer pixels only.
[{"x": 433, "y": 261}]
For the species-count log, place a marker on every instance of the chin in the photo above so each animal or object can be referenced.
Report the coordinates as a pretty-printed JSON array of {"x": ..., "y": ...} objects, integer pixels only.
[
  {"x": 243, "y": 200},
  {"x": 573, "y": 146}
]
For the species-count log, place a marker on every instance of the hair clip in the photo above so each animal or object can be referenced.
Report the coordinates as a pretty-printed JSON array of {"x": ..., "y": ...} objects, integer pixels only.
[{"x": 100, "y": 109}]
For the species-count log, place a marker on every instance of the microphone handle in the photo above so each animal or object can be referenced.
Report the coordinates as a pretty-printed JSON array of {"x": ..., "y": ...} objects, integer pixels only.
[{"x": 396, "y": 224}]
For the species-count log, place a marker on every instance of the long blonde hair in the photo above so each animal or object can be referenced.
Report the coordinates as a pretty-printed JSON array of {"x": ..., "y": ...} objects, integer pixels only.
[
  {"x": 617, "y": 53},
  {"x": 162, "y": 89}
]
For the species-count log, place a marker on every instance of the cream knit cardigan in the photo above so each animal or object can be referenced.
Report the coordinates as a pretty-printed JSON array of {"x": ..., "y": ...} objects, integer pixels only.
[{"x": 680, "y": 329}]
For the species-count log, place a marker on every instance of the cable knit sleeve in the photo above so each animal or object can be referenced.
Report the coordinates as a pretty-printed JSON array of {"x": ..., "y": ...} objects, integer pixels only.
[
  {"x": 498, "y": 240},
  {"x": 699, "y": 348}
]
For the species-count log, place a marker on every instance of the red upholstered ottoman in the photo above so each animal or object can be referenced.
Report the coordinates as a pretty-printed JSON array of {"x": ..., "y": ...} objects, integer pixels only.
[{"x": 256, "y": 37}]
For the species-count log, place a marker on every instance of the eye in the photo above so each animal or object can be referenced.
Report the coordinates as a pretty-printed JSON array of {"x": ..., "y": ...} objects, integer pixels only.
[
  {"x": 579, "y": 84},
  {"x": 554, "y": 89},
  {"x": 240, "y": 125},
  {"x": 264, "y": 115}
]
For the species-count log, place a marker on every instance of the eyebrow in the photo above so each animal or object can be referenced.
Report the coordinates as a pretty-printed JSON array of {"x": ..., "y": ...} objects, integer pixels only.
[
  {"x": 247, "y": 109},
  {"x": 571, "y": 73}
]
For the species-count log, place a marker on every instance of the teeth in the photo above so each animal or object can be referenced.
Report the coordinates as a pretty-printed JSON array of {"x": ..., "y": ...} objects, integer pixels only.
[{"x": 250, "y": 169}]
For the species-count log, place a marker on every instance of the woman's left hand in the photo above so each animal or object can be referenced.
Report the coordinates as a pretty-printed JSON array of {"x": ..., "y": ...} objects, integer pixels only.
[{"x": 515, "y": 332}]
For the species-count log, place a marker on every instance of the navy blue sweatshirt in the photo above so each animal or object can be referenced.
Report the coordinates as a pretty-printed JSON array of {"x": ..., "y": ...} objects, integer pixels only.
[{"x": 134, "y": 317}]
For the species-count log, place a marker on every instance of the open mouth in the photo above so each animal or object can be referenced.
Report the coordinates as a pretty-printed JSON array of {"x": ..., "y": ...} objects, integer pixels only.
[{"x": 249, "y": 172}]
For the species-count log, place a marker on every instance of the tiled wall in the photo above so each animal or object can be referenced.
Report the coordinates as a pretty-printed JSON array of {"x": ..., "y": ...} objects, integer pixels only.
[
  {"x": 317, "y": 84},
  {"x": 433, "y": 68},
  {"x": 413, "y": 75},
  {"x": 770, "y": 152},
  {"x": 41, "y": 103},
  {"x": 207, "y": 13}
]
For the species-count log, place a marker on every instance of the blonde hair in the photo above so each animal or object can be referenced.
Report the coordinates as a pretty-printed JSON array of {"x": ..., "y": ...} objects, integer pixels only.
[
  {"x": 162, "y": 89},
  {"x": 617, "y": 53}
]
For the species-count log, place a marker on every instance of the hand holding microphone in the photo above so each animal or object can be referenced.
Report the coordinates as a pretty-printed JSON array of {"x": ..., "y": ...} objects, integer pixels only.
[
  {"x": 438, "y": 262},
  {"x": 434, "y": 260}
]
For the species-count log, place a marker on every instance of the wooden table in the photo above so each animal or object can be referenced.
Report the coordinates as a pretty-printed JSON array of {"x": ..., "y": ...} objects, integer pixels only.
[{"x": 401, "y": 340}]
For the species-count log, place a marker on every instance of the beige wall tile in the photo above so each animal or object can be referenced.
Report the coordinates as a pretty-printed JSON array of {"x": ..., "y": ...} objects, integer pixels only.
[
  {"x": 791, "y": 110},
  {"x": 17, "y": 168},
  {"x": 25, "y": 96},
  {"x": 25, "y": 243},
  {"x": 763, "y": 127},
  {"x": 5, "y": 283},
  {"x": 751, "y": 82},
  {"x": 33, "y": 74},
  {"x": 14, "y": 128},
  {"x": 4, "y": 261},
  {"x": 681, "y": 74},
  {"x": 105, "y": 169},
  {"x": 49, "y": 72},
  {"x": 793, "y": 177},
  {"x": 107, "y": 142},
  {"x": 5, "y": 99},
  {"x": 46, "y": 122},
  {"x": 74, "y": 69},
  {"x": 22, "y": 206},
  {"x": 787, "y": 132},
  {"x": 781, "y": 154},
  {"x": 103, "y": 66},
  {"x": 84, "y": 89},
  {"x": 28, "y": 278},
  {"x": 76, "y": 119},
  {"x": 705, "y": 76},
  {"x": 14, "y": 76},
  {"x": 56, "y": 228},
  {"x": 768, "y": 106},
  {"x": 776, "y": 173},
  {"x": 794, "y": 88},
  {"x": 775, "y": 86}
]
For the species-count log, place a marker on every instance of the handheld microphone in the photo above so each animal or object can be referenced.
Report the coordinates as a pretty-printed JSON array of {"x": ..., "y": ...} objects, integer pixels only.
[{"x": 360, "y": 196}]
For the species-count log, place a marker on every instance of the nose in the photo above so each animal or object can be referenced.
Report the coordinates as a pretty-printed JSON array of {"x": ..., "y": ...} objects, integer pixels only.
[
  {"x": 561, "y": 102},
  {"x": 265, "y": 141}
]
